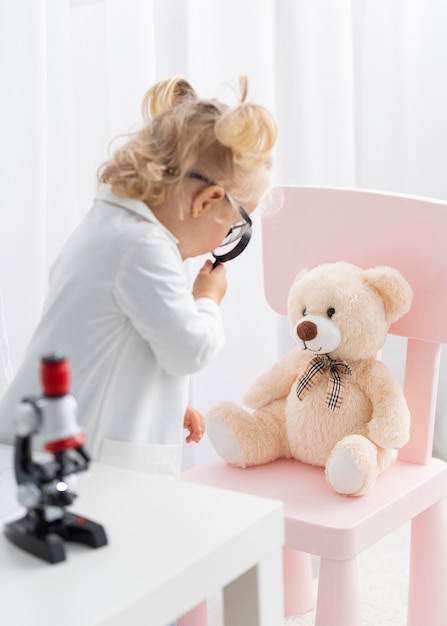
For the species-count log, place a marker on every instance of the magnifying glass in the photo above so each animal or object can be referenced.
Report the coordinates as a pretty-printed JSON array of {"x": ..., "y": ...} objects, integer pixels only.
[{"x": 229, "y": 251}]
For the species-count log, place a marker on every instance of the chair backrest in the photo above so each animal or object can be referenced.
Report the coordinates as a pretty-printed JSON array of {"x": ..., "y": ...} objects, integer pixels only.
[{"x": 321, "y": 225}]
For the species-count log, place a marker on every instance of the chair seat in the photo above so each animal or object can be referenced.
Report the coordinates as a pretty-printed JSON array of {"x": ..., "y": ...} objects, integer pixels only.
[{"x": 351, "y": 524}]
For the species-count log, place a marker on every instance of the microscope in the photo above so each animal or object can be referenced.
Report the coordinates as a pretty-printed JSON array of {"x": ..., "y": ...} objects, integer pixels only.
[{"x": 47, "y": 485}]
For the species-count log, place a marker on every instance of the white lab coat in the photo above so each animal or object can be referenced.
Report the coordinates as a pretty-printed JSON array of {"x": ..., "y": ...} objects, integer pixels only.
[{"x": 120, "y": 308}]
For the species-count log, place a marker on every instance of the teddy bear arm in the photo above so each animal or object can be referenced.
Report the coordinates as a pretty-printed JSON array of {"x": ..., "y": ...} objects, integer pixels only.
[
  {"x": 389, "y": 426},
  {"x": 275, "y": 383}
]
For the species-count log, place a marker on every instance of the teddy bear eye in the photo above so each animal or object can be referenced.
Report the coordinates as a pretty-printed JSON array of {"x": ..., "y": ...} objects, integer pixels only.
[
  {"x": 330, "y": 312},
  {"x": 304, "y": 311}
]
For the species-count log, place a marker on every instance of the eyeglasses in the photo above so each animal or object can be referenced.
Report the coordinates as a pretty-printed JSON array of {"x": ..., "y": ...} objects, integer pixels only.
[{"x": 239, "y": 234}]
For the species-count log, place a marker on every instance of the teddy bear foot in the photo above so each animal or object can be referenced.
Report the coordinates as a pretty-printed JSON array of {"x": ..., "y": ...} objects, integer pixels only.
[
  {"x": 352, "y": 466},
  {"x": 343, "y": 473},
  {"x": 224, "y": 442}
]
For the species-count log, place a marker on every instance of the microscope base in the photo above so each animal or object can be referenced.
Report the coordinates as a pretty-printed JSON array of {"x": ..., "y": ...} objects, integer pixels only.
[{"x": 46, "y": 539}]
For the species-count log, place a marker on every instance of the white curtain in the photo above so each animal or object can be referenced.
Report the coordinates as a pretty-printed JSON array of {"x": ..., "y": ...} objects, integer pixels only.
[{"x": 359, "y": 90}]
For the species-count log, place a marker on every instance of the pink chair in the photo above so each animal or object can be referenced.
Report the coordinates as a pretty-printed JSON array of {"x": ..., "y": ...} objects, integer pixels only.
[{"x": 318, "y": 225}]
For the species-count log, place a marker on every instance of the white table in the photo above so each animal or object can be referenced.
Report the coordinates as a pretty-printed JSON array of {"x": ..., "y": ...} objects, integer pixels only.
[{"x": 171, "y": 544}]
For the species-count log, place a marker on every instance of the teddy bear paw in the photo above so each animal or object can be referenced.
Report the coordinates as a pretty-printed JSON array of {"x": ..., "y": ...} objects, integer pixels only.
[
  {"x": 343, "y": 472},
  {"x": 224, "y": 442}
]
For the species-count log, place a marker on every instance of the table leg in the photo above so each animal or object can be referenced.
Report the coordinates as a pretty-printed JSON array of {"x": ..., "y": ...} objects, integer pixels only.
[{"x": 256, "y": 598}]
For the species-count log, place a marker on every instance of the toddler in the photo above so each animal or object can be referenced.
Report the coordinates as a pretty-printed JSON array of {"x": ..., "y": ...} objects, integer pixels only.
[{"x": 119, "y": 304}]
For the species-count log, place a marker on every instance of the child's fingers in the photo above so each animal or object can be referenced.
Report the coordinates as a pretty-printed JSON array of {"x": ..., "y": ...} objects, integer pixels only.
[{"x": 195, "y": 423}]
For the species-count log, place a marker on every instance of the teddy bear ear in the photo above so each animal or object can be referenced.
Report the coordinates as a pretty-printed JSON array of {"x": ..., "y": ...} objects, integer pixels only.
[{"x": 394, "y": 290}]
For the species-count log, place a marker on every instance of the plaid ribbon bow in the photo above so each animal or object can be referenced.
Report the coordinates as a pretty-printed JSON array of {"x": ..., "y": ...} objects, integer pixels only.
[{"x": 335, "y": 388}]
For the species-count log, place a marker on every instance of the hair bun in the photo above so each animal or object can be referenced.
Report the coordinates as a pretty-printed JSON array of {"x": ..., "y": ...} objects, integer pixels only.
[
  {"x": 248, "y": 130},
  {"x": 166, "y": 95}
]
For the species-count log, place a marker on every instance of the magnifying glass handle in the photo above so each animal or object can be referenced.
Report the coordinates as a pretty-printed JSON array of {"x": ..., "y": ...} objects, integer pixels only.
[{"x": 216, "y": 263}]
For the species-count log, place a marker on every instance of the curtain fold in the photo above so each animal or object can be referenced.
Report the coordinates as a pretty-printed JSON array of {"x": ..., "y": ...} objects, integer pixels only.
[
  {"x": 358, "y": 88},
  {"x": 23, "y": 157}
]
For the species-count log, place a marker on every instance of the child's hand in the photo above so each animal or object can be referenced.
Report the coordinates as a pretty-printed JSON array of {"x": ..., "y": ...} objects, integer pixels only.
[
  {"x": 195, "y": 423},
  {"x": 210, "y": 283}
]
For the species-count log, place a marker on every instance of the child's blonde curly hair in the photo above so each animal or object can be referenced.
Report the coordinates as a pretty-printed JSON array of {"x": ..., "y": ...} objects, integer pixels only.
[{"x": 182, "y": 134}]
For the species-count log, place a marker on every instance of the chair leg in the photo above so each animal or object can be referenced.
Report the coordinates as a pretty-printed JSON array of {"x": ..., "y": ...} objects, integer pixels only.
[
  {"x": 196, "y": 617},
  {"x": 427, "y": 597},
  {"x": 298, "y": 591},
  {"x": 338, "y": 599}
]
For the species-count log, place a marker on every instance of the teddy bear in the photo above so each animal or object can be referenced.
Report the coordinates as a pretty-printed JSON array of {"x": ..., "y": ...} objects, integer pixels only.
[{"x": 329, "y": 401}]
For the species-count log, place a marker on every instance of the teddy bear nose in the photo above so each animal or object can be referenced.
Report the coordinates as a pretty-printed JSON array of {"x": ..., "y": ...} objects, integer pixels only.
[{"x": 307, "y": 331}]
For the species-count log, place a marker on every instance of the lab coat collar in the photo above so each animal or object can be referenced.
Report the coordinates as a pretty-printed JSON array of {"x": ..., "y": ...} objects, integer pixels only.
[{"x": 106, "y": 194}]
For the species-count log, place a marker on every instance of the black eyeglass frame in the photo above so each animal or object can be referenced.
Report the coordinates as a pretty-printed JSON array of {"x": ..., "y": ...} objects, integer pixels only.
[{"x": 246, "y": 227}]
